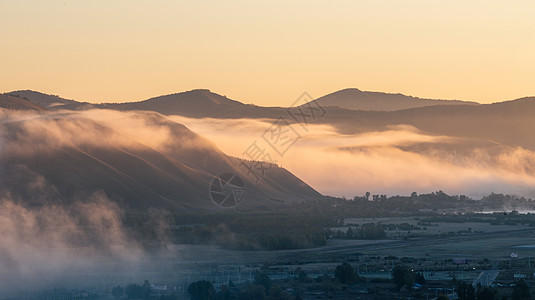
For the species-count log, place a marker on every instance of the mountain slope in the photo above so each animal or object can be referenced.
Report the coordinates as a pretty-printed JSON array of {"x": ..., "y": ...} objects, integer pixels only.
[
  {"x": 356, "y": 99},
  {"x": 62, "y": 157},
  {"x": 510, "y": 123},
  {"x": 15, "y": 103},
  {"x": 195, "y": 103},
  {"x": 44, "y": 100}
]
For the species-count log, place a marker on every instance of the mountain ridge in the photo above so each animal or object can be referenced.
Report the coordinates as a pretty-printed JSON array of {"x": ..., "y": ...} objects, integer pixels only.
[
  {"x": 349, "y": 98},
  {"x": 205, "y": 103},
  {"x": 355, "y": 99}
]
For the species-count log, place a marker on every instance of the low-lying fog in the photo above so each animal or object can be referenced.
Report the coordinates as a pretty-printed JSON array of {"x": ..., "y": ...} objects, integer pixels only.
[{"x": 397, "y": 161}]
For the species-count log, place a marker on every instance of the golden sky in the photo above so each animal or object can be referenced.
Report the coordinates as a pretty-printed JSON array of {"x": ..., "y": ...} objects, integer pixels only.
[{"x": 268, "y": 52}]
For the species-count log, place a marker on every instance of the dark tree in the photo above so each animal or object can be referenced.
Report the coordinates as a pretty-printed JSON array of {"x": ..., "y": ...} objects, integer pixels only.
[
  {"x": 485, "y": 292},
  {"x": 146, "y": 289},
  {"x": 134, "y": 291},
  {"x": 465, "y": 291},
  {"x": 521, "y": 291},
  {"x": 399, "y": 275},
  {"x": 201, "y": 290},
  {"x": 301, "y": 275},
  {"x": 346, "y": 274},
  {"x": 275, "y": 292},
  {"x": 263, "y": 280},
  {"x": 372, "y": 232},
  {"x": 349, "y": 233},
  {"x": 117, "y": 292},
  {"x": 419, "y": 278},
  {"x": 408, "y": 280},
  {"x": 225, "y": 293}
]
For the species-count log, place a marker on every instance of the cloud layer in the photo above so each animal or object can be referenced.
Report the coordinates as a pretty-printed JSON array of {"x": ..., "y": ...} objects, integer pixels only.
[{"x": 398, "y": 160}]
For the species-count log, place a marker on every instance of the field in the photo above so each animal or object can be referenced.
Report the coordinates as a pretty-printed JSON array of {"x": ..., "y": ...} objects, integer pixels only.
[{"x": 470, "y": 239}]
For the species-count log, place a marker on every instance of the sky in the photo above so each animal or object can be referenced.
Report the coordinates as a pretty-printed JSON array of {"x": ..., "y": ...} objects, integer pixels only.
[{"x": 268, "y": 52}]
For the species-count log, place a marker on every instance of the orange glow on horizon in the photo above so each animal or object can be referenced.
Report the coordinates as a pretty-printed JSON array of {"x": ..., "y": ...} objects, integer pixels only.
[{"x": 268, "y": 52}]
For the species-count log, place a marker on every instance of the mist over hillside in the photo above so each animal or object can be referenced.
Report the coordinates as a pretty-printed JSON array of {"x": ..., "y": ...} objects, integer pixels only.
[
  {"x": 459, "y": 147},
  {"x": 140, "y": 159},
  {"x": 88, "y": 192}
]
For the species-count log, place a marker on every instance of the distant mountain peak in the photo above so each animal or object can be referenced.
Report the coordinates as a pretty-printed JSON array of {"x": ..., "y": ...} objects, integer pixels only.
[
  {"x": 196, "y": 95},
  {"x": 190, "y": 92},
  {"x": 356, "y": 99},
  {"x": 346, "y": 90},
  {"x": 197, "y": 103},
  {"x": 199, "y": 91}
]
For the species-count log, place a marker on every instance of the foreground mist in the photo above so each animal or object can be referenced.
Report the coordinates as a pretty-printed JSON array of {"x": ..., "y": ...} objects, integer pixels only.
[
  {"x": 49, "y": 241},
  {"x": 56, "y": 245}
]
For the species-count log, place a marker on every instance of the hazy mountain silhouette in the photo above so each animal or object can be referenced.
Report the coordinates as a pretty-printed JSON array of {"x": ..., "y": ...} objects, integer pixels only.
[
  {"x": 16, "y": 103},
  {"x": 204, "y": 103},
  {"x": 356, "y": 99},
  {"x": 353, "y": 111},
  {"x": 195, "y": 103},
  {"x": 42, "y": 165},
  {"x": 44, "y": 100},
  {"x": 177, "y": 177},
  {"x": 509, "y": 123}
]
